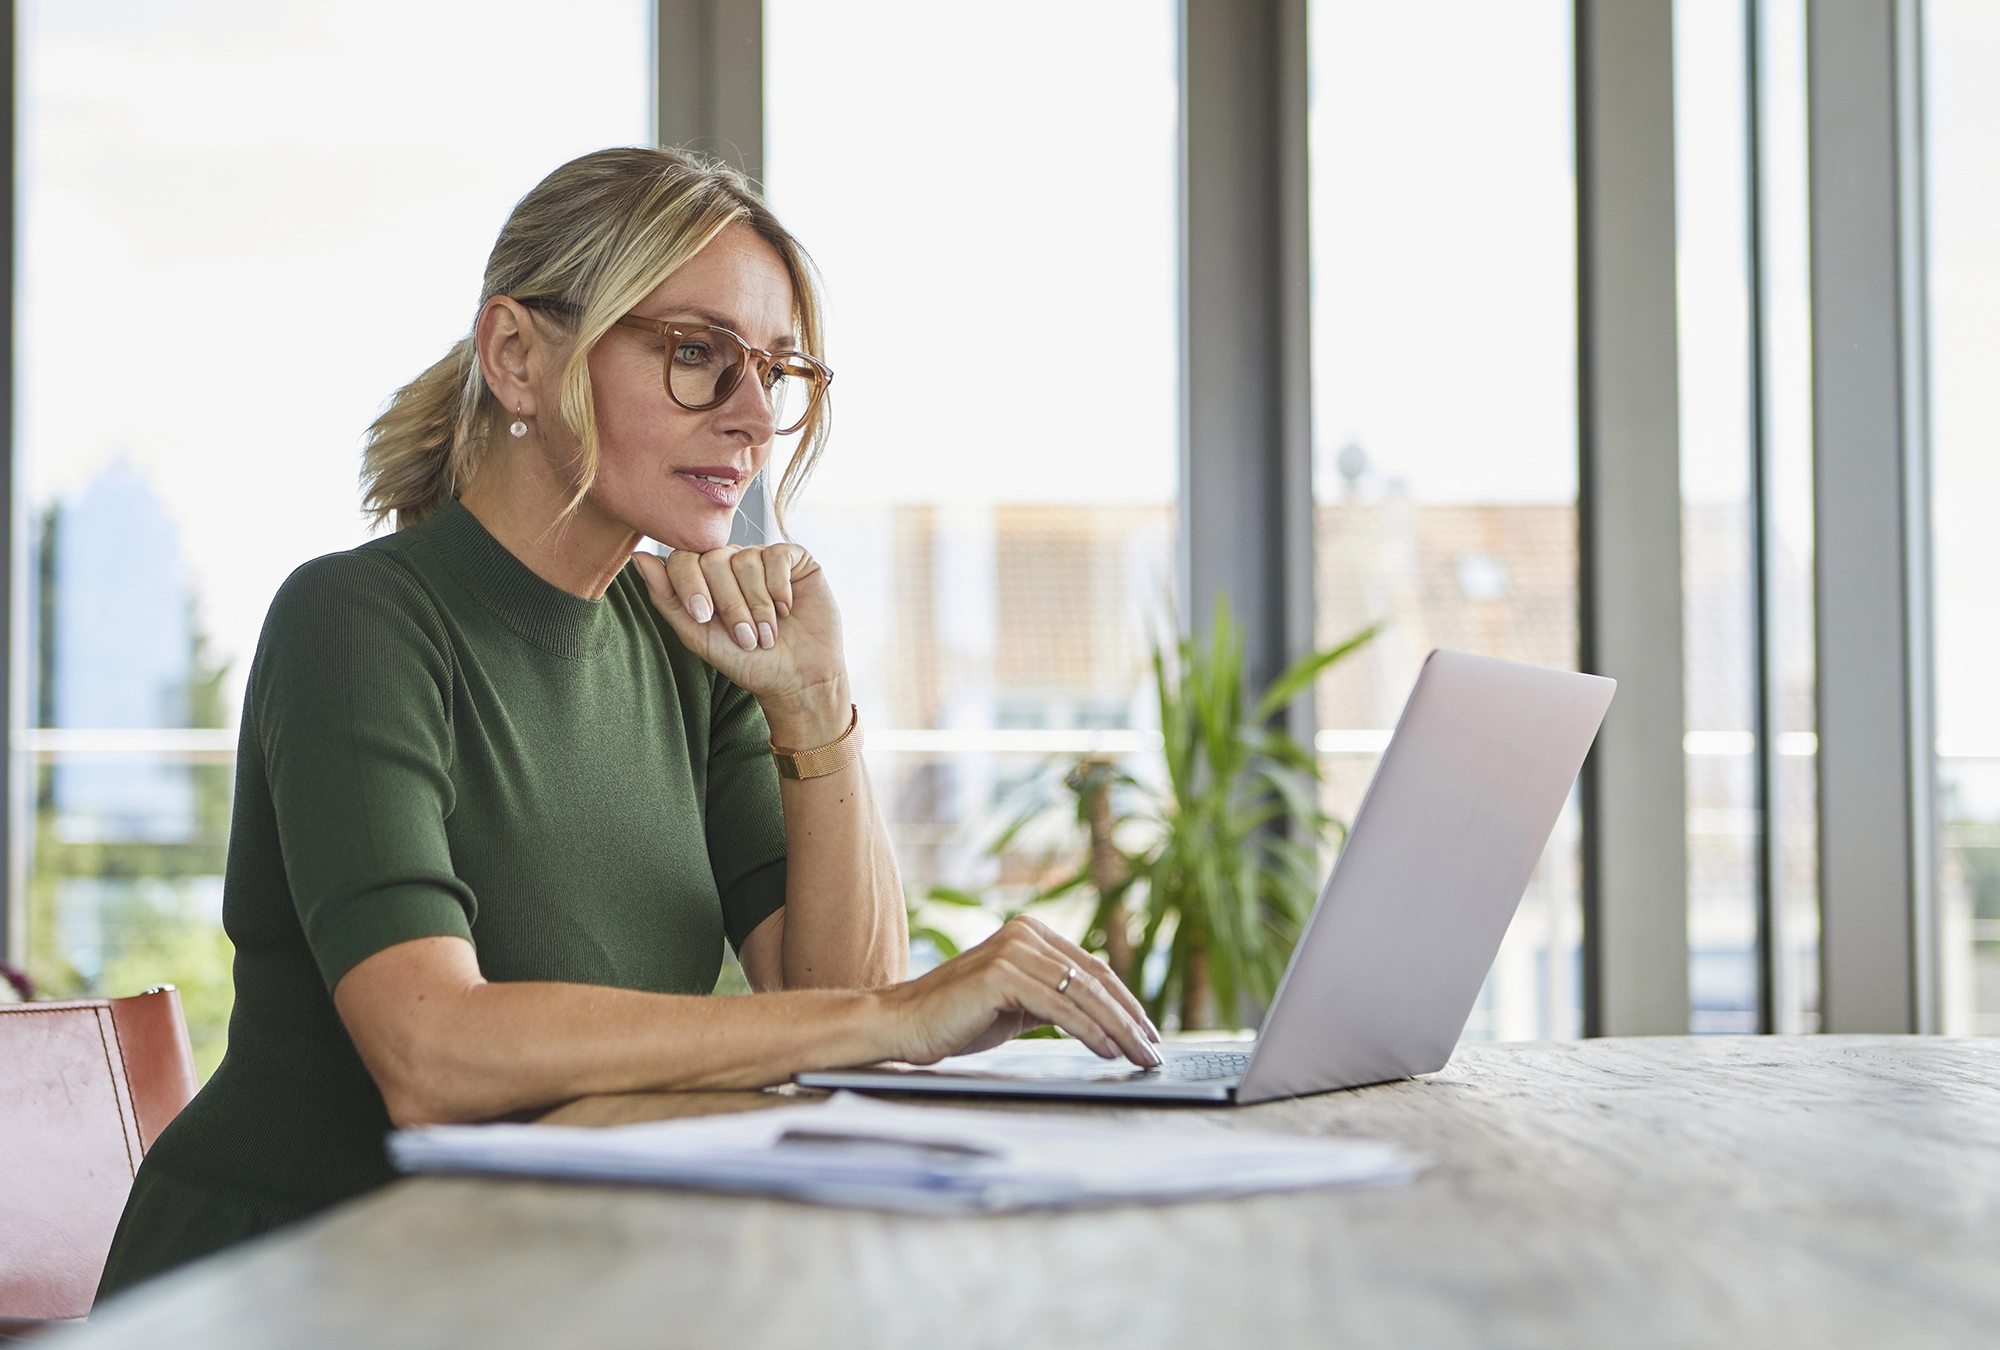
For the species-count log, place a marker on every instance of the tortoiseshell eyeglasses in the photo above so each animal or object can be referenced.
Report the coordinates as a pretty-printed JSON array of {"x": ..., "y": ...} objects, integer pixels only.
[{"x": 703, "y": 363}]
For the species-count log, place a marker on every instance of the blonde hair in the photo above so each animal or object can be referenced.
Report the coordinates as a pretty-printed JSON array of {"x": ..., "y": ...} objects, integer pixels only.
[{"x": 593, "y": 239}]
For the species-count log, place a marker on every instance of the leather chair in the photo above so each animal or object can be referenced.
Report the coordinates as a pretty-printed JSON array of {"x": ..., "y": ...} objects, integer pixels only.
[{"x": 85, "y": 1089}]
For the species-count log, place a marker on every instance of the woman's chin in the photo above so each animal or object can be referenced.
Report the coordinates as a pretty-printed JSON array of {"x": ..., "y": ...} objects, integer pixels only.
[
  {"x": 670, "y": 522},
  {"x": 691, "y": 537},
  {"x": 671, "y": 513}
]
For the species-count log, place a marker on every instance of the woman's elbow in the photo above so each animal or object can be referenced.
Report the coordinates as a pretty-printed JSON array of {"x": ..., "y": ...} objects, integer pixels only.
[
  {"x": 405, "y": 1010},
  {"x": 410, "y": 1110},
  {"x": 419, "y": 1083}
]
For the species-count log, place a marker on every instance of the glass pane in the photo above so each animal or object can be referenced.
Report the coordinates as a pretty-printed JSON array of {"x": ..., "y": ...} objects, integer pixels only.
[
  {"x": 1711, "y": 170},
  {"x": 243, "y": 226},
  {"x": 1962, "y": 123},
  {"x": 1720, "y": 412},
  {"x": 1787, "y": 413},
  {"x": 1002, "y": 540},
  {"x": 1444, "y": 395}
]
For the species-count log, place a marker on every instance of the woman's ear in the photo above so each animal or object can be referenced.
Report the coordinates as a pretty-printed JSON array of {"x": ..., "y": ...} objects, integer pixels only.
[{"x": 512, "y": 352}]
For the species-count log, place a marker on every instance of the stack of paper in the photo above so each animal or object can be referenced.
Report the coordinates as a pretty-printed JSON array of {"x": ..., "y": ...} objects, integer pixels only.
[{"x": 857, "y": 1151}]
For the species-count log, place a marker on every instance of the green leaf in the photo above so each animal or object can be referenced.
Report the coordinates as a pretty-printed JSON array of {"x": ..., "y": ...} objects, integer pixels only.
[
  {"x": 1063, "y": 887},
  {"x": 946, "y": 947},
  {"x": 1297, "y": 677}
]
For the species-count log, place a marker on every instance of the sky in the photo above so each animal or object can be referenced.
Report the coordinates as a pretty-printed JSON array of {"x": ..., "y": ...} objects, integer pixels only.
[
  {"x": 990, "y": 192},
  {"x": 1443, "y": 226}
]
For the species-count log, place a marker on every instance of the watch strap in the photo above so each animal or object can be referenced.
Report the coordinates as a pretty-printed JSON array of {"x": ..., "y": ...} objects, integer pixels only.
[{"x": 822, "y": 760}]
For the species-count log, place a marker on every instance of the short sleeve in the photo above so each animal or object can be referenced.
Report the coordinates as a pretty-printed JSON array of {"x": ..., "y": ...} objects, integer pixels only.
[
  {"x": 746, "y": 816},
  {"x": 351, "y": 703}
]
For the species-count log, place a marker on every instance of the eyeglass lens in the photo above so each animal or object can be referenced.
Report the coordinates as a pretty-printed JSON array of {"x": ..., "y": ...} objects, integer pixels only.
[{"x": 703, "y": 368}]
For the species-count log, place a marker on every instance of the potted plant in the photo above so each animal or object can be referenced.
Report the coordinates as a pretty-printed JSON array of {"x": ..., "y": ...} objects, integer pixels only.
[{"x": 1218, "y": 864}]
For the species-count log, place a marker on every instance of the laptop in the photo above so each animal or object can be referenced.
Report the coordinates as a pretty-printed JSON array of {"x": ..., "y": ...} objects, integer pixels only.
[{"x": 1395, "y": 951}]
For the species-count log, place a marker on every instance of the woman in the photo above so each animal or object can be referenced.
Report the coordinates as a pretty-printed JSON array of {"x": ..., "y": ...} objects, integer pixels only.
[{"x": 504, "y": 785}]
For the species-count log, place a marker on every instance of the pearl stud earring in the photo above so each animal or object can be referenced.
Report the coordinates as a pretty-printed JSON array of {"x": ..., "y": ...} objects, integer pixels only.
[{"x": 520, "y": 428}]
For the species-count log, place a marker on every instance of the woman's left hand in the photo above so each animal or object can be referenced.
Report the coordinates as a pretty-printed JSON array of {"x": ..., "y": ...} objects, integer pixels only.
[{"x": 766, "y": 619}]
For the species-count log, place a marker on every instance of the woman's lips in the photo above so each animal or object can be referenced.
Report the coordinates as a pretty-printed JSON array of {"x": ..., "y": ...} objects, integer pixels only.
[{"x": 720, "y": 485}]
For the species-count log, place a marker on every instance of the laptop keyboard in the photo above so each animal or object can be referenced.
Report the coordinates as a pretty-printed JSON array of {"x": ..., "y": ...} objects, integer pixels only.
[{"x": 1200, "y": 1066}]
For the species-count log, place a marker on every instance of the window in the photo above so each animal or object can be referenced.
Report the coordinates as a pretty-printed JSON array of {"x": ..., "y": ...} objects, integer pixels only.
[
  {"x": 1962, "y": 153},
  {"x": 1746, "y": 463},
  {"x": 242, "y": 228},
  {"x": 1718, "y": 510},
  {"x": 1444, "y": 396},
  {"x": 1791, "y": 689},
  {"x": 996, "y": 508}
]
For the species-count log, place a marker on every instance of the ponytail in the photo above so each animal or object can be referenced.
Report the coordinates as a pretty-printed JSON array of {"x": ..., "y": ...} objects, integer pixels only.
[{"x": 421, "y": 452}]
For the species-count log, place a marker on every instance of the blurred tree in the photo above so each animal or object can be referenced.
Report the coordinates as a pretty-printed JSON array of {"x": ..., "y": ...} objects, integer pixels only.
[{"x": 110, "y": 917}]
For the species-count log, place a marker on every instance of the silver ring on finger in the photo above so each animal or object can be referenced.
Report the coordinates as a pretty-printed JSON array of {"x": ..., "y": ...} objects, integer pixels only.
[{"x": 1062, "y": 985}]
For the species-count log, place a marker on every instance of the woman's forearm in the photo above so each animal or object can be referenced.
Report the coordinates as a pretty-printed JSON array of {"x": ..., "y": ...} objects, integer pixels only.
[
  {"x": 845, "y": 926},
  {"x": 444, "y": 1045},
  {"x": 844, "y": 923}
]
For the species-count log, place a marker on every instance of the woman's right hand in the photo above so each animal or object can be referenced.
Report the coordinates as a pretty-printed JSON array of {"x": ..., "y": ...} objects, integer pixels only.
[
  {"x": 766, "y": 619},
  {"x": 1007, "y": 984}
]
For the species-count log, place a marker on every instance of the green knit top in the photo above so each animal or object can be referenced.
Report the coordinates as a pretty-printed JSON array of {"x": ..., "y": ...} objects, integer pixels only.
[{"x": 438, "y": 742}]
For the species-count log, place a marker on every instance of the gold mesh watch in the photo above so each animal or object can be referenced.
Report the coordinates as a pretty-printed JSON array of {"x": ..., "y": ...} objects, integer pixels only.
[{"x": 829, "y": 758}]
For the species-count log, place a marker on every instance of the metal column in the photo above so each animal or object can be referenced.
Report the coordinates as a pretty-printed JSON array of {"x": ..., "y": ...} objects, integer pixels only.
[
  {"x": 1634, "y": 793},
  {"x": 1246, "y": 464},
  {"x": 709, "y": 82},
  {"x": 708, "y": 92},
  {"x": 1871, "y": 507}
]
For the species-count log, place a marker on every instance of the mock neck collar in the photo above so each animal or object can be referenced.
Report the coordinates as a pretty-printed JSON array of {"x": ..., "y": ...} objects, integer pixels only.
[{"x": 548, "y": 616}]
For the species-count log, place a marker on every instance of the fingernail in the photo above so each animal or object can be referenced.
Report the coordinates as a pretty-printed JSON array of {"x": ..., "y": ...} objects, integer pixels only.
[
  {"x": 746, "y": 637},
  {"x": 699, "y": 607},
  {"x": 765, "y": 638},
  {"x": 784, "y": 610}
]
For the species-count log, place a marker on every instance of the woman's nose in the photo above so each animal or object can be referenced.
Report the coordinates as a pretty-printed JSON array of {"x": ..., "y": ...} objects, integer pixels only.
[{"x": 748, "y": 408}]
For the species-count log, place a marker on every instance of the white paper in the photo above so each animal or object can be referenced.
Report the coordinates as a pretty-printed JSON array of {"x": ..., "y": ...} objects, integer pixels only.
[{"x": 856, "y": 1151}]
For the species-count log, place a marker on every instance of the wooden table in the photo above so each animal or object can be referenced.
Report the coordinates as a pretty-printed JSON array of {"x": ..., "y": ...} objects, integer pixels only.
[{"x": 1822, "y": 1191}]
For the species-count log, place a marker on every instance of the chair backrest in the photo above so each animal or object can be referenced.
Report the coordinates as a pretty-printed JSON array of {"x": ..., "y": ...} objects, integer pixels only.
[{"x": 85, "y": 1089}]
